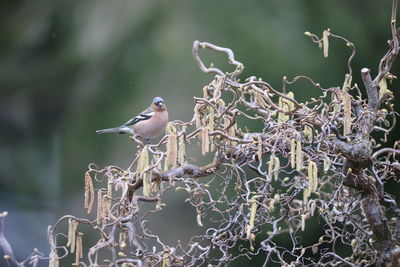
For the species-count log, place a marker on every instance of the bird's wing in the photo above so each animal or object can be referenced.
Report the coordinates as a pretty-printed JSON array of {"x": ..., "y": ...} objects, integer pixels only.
[{"x": 145, "y": 115}]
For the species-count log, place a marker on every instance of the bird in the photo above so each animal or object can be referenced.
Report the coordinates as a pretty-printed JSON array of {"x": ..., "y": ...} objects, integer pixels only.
[{"x": 149, "y": 124}]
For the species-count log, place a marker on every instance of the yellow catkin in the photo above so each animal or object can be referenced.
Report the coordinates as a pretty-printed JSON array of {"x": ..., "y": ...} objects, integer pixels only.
[
  {"x": 211, "y": 126},
  {"x": 308, "y": 132},
  {"x": 205, "y": 141},
  {"x": 198, "y": 218},
  {"x": 290, "y": 103},
  {"x": 306, "y": 194},
  {"x": 325, "y": 42},
  {"x": 181, "y": 145},
  {"x": 218, "y": 84},
  {"x": 346, "y": 113},
  {"x": 327, "y": 164},
  {"x": 172, "y": 149},
  {"x": 231, "y": 131},
  {"x": 79, "y": 249},
  {"x": 197, "y": 115},
  {"x": 310, "y": 177},
  {"x": 336, "y": 105},
  {"x": 53, "y": 262},
  {"x": 141, "y": 172},
  {"x": 147, "y": 184},
  {"x": 109, "y": 196},
  {"x": 89, "y": 193},
  {"x": 260, "y": 148},
  {"x": 261, "y": 101},
  {"x": 69, "y": 233},
  {"x": 104, "y": 206},
  {"x": 166, "y": 261},
  {"x": 315, "y": 177},
  {"x": 143, "y": 162},
  {"x": 121, "y": 240},
  {"x": 303, "y": 222},
  {"x": 73, "y": 225},
  {"x": 287, "y": 106},
  {"x": 383, "y": 88},
  {"x": 347, "y": 83},
  {"x": 299, "y": 156},
  {"x": 271, "y": 164},
  {"x": 99, "y": 206},
  {"x": 73, "y": 241},
  {"x": 282, "y": 117},
  {"x": 253, "y": 210},
  {"x": 293, "y": 153},
  {"x": 277, "y": 166}
]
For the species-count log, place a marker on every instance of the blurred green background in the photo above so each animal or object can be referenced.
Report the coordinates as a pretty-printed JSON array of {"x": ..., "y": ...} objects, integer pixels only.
[{"x": 68, "y": 68}]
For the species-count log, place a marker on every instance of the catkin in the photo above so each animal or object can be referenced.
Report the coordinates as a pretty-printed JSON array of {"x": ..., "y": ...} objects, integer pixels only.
[
  {"x": 315, "y": 177},
  {"x": 79, "y": 249},
  {"x": 346, "y": 113},
  {"x": 347, "y": 83},
  {"x": 277, "y": 166},
  {"x": 205, "y": 141},
  {"x": 99, "y": 206},
  {"x": 121, "y": 241},
  {"x": 293, "y": 153},
  {"x": 181, "y": 147},
  {"x": 141, "y": 172},
  {"x": 303, "y": 222},
  {"x": 211, "y": 127},
  {"x": 308, "y": 132},
  {"x": 383, "y": 88},
  {"x": 312, "y": 176},
  {"x": 172, "y": 149},
  {"x": 166, "y": 261},
  {"x": 53, "y": 262},
  {"x": 89, "y": 193},
  {"x": 109, "y": 196},
  {"x": 299, "y": 156},
  {"x": 197, "y": 115},
  {"x": 325, "y": 42},
  {"x": 198, "y": 218},
  {"x": 231, "y": 131},
  {"x": 327, "y": 164},
  {"x": 260, "y": 101},
  {"x": 253, "y": 210},
  {"x": 72, "y": 226},
  {"x": 271, "y": 164},
  {"x": 260, "y": 148},
  {"x": 287, "y": 106}
]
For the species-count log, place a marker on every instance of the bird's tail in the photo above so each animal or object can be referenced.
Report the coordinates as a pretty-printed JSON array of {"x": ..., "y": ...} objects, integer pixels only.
[
  {"x": 109, "y": 130},
  {"x": 119, "y": 130}
]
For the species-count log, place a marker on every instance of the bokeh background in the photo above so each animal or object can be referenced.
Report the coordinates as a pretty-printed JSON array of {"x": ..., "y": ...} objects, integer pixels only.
[{"x": 68, "y": 68}]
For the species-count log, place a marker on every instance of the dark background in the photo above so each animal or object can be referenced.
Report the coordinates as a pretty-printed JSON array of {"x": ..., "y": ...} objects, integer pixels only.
[{"x": 68, "y": 68}]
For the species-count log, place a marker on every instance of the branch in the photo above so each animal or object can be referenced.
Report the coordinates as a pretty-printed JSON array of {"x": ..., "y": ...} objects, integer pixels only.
[
  {"x": 203, "y": 68},
  {"x": 372, "y": 89},
  {"x": 5, "y": 245},
  {"x": 189, "y": 169}
]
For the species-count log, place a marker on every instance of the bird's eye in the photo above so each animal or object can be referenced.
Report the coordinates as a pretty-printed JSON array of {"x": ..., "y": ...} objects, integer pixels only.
[{"x": 160, "y": 103}]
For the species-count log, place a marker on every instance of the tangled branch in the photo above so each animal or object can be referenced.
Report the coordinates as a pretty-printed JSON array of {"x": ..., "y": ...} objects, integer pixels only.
[{"x": 313, "y": 159}]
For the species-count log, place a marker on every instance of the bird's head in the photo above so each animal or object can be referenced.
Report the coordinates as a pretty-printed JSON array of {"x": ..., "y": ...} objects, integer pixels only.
[{"x": 158, "y": 103}]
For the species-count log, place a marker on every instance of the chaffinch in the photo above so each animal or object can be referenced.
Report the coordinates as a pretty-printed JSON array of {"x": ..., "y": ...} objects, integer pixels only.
[{"x": 148, "y": 124}]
